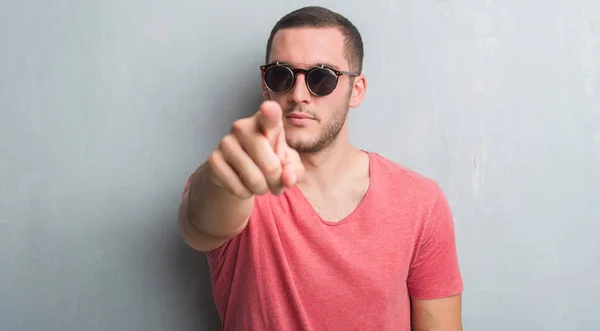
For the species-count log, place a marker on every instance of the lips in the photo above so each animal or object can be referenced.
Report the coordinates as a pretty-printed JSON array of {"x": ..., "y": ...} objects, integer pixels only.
[{"x": 299, "y": 116}]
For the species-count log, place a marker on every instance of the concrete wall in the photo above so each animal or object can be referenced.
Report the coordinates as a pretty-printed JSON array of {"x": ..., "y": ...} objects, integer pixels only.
[{"x": 107, "y": 106}]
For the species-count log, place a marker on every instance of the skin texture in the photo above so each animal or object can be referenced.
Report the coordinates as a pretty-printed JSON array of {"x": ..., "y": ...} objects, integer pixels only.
[
  {"x": 437, "y": 315},
  {"x": 252, "y": 159},
  {"x": 269, "y": 152},
  {"x": 303, "y": 48}
]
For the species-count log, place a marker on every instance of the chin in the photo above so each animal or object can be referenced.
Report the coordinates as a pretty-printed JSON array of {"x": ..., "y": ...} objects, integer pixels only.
[
  {"x": 296, "y": 133},
  {"x": 295, "y": 142}
]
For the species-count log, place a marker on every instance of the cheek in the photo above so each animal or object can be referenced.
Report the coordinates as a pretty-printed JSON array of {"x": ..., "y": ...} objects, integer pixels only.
[
  {"x": 335, "y": 108},
  {"x": 279, "y": 98},
  {"x": 336, "y": 101}
]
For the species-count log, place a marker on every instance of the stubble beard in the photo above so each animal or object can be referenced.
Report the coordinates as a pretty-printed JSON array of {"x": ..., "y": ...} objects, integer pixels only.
[{"x": 327, "y": 135}]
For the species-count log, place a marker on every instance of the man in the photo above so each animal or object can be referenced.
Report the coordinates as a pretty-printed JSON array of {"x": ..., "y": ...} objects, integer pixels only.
[{"x": 304, "y": 231}]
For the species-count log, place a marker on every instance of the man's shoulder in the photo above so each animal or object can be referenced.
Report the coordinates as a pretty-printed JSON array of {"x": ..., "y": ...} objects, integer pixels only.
[{"x": 398, "y": 177}]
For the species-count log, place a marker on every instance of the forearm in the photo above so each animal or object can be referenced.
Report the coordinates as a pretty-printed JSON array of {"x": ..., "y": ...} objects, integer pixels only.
[
  {"x": 430, "y": 323},
  {"x": 215, "y": 211},
  {"x": 437, "y": 314}
]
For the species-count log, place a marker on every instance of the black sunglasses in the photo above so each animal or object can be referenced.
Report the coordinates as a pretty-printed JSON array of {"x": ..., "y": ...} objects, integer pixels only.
[{"x": 320, "y": 80}]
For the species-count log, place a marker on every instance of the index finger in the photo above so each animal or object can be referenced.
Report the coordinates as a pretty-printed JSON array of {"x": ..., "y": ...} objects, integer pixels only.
[{"x": 269, "y": 118}]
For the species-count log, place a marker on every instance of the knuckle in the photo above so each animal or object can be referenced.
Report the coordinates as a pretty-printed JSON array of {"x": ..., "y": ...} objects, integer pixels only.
[
  {"x": 215, "y": 166},
  {"x": 254, "y": 182},
  {"x": 238, "y": 126},
  {"x": 241, "y": 192},
  {"x": 271, "y": 170},
  {"x": 226, "y": 142},
  {"x": 257, "y": 184},
  {"x": 213, "y": 159}
]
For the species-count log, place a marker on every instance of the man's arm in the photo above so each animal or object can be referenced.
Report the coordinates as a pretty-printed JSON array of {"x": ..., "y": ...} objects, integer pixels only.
[
  {"x": 437, "y": 314},
  {"x": 209, "y": 215},
  {"x": 252, "y": 159},
  {"x": 435, "y": 282}
]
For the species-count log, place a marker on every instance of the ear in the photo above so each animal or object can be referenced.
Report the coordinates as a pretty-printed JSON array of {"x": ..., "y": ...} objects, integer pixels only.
[
  {"x": 359, "y": 88},
  {"x": 265, "y": 91}
]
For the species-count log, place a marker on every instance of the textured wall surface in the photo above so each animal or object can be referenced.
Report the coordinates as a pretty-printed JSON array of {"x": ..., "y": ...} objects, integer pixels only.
[{"x": 107, "y": 106}]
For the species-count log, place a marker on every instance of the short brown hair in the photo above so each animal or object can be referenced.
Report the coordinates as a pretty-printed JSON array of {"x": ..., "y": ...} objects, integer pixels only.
[{"x": 319, "y": 17}]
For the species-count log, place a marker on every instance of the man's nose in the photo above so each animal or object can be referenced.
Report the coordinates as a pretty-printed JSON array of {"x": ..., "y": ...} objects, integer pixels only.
[{"x": 300, "y": 92}]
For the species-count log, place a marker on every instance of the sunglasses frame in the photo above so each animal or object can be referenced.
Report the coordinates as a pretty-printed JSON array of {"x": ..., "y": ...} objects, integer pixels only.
[{"x": 296, "y": 71}]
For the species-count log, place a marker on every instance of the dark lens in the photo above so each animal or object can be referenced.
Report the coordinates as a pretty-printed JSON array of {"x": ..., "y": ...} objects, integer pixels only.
[
  {"x": 321, "y": 81},
  {"x": 279, "y": 78}
]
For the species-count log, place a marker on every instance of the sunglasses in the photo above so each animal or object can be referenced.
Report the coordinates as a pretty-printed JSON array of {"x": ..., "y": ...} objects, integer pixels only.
[{"x": 320, "y": 80}]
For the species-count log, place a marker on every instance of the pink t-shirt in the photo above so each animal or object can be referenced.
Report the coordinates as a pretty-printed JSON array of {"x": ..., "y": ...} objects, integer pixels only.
[{"x": 291, "y": 270}]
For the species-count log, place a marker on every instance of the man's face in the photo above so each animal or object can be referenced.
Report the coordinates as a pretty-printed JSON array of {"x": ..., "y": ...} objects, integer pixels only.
[{"x": 325, "y": 116}]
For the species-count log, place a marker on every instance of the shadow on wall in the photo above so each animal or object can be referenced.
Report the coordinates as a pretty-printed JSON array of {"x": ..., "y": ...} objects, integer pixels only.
[
  {"x": 186, "y": 282},
  {"x": 193, "y": 287},
  {"x": 190, "y": 278}
]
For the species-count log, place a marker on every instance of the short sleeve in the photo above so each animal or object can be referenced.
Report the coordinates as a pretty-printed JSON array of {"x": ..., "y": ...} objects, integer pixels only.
[
  {"x": 434, "y": 272},
  {"x": 186, "y": 188}
]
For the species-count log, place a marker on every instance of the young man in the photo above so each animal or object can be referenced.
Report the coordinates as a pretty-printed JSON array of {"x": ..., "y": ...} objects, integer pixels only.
[{"x": 304, "y": 231}]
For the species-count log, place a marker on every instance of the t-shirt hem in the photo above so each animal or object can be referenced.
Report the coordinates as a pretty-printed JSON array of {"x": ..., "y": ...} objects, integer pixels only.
[{"x": 437, "y": 295}]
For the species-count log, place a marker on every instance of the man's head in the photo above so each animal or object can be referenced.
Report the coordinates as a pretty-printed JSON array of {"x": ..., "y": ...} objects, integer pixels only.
[{"x": 303, "y": 39}]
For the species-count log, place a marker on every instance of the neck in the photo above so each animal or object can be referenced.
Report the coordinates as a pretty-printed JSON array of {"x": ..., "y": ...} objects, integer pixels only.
[{"x": 326, "y": 167}]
